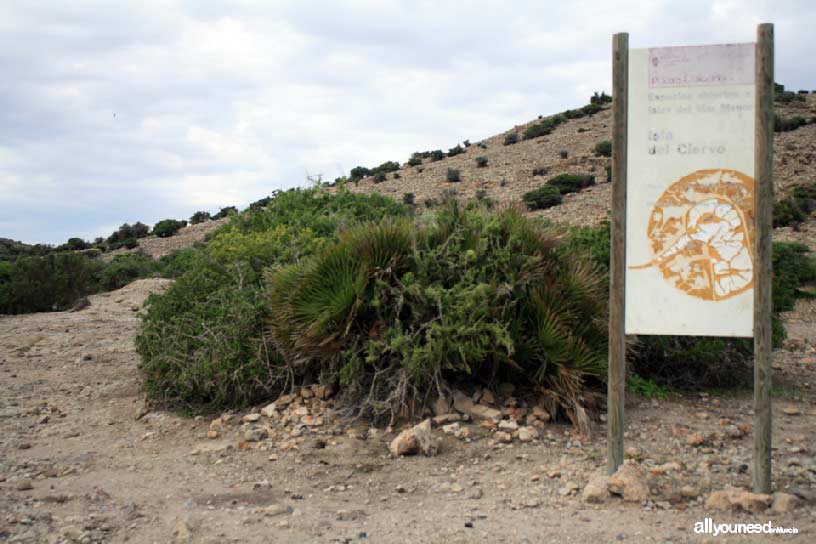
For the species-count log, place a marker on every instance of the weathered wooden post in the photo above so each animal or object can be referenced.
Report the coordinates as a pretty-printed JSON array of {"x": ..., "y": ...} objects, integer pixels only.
[
  {"x": 616, "y": 382},
  {"x": 763, "y": 205}
]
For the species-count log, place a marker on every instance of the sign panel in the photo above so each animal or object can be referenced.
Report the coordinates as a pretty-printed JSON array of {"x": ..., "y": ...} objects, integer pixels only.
[{"x": 690, "y": 191}]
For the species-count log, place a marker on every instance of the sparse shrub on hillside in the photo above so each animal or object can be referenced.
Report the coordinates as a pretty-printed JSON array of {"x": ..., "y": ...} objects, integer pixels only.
[
  {"x": 564, "y": 153},
  {"x": 544, "y": 197},
  {"x": 261, "y": 203},
  {"x": 408, "y": 199},
  {"x": 127, "y": 243},
  {"x": 437, "y": 155},
  {"x": 571, "y": 183},
  {"x": 466, "y": 143},
  {"x": 541, "y": 171},
  {"x": 430, "y": 203},
  {"x": 481, "y": 162},
  {"x": 127, "y": 234},
  {"x": 180, "y": 261},
  {"x": 202, "y": 340},
  {"x": 785, "y": 124},
  {"x": 453, "y": 176},
  {"x": 168, "y": 227},
  {"x": 123, "y": 269},
  {"x": 609, "y": 174},
  {"x": 543, "y": 128},
  {"x": 414, "y": 161},
  {"x": 75, "y": 244},
  {"x": 388, "y": 313},
  {"x": 793, "y": 266},
  {"x": 199, "y": 217},
  {"x": 591, "y": 109},
  {"x": 452, "y": 152},
  {"x": 792, "y": 211},
  {"x": 481, "y": 195},
  {"x": 783, "y": 96},
  {"x": 602, "y": 98},
  {"x": 358, "y": 173},
  {"x": 603, "y": 149},
  {"x": 226, "y": 212},
  {"x": 379, "y": 177},
  {"x": 511, "y": 138}
]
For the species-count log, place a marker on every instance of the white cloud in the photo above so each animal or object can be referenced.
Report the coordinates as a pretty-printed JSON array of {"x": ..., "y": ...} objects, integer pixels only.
[{"x": 128, "y": 111}]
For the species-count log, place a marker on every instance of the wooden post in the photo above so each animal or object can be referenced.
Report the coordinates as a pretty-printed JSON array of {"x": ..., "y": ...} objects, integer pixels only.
[
  {"x": 763, "y": 208},
  {"x": 617, "y": 284}
]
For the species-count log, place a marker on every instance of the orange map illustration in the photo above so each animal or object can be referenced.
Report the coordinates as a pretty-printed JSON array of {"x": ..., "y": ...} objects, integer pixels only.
[{"x": 701, "y": 232}]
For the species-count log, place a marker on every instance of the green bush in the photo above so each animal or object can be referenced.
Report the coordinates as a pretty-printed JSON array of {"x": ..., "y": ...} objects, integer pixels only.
[
  {"x": 168, "y": 227},
  {"x": 437, "y": 155},
  {"x": 202, "y": 340},
  {"x": 545, "y": 196},
  {"x": 511, "y": 138},
  {"x": 603, "y": 149},
  {"x": 408, "y": 199},
  {"x": 571, "y": 183},
  {"x": 199, "y": 217},
  {"x": 794, "y": 210},
  {"x": 75, "y": 244},
  {"x": 785, "y": 124},
  {"x": 602, "y": 98},
  {"x": 793, "y": 266},
  {"x": 394, "y": 309},
  {"x": 379, "y": 177},
  {"x": 481, "y": 162},
  {"x": 414, "y": 161},
  {"x": 453, "y": 176},
  {"x": 127, "y": 235},
  {"x": 225, "y": 212},
  {"x": 123, "y": 269},
  {"x": 452, "y": 152},
  {"x": 47, "y": 283}
]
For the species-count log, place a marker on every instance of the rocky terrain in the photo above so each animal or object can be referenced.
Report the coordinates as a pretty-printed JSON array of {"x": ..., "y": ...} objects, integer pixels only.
[
  {"x": 156, "y": 247},
  {"x": 85, "y": 460}
]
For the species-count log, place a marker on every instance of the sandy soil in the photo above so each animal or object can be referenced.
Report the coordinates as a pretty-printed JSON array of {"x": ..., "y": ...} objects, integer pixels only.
[{"x": 81, "y": 461}]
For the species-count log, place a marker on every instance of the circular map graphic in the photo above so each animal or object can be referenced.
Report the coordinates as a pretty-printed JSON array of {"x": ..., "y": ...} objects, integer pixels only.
[{"x": 701, "y": 233}]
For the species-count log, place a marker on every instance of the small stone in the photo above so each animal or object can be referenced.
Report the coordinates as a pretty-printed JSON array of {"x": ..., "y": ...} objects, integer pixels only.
[
  {"x": 255, "y": 435},
  {"x": 527, "y": 434},
  {"x": 508, "y": 425},
  {"x": 273, "y": 457},
  {"x": 24, "y": 485},
  {"x": 738, "y": 498},
  {"x": 270, "y": 410},
  {"x": 212, "y": 433},
  {"x": 276, "y": 510},
  {"x": 783, "y": 503},
  {"x": 487, "y": 397},
  {"x": 569, "y": 488},
  {"x": 415, "y": 440},
  {"x": 541, "y": 414},
  {"x": 504, "y": 437},
  {"x": 306, "y": 393},
  {"x": 665, "y": 467},
  {"x": 440, "y": 406},
  {"x": 182, "y": 531},
  {"x": 791, "y": 411},
  {"x": 251, "y": 418},
  {"x": 476, "y": 494},
  {"x": 732, "y": 431},
  {"x": 452, "y": 428},
  {"x": 695, "y": 439},
  {"x": 629, "y": 482},
  {"x": 350, "y": 515},
  {"x": 596, "y": 490}
]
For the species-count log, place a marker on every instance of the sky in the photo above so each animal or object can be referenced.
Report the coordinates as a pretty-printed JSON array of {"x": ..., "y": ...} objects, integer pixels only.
[{"x": 114, "y": 112}]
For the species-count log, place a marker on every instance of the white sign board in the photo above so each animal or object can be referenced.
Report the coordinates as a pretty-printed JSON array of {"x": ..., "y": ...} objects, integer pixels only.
[{"x": 690, "y": 191}]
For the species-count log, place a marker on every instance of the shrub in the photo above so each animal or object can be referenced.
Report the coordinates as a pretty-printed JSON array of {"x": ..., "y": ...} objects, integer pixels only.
[
  {"x": 408, "y": 199},
  {"x": 609, "y": 174},
  {"x": 466, "y": 143},
  {"x": 546, "y": 196},
  {"x": 202, "y": 340},
  {"x": 792, "y": 211},
  {"x": 571, "y": 183},
  {"x": 359, "y": 172},
  {"x": 785, "y": 124},
  {"x": 437, "y": 155},
  {"x": 199, "y": 217},
  {"x": 452, "y": 152},
  {"x": 126, "y": 233},
  {"x": 46, "y": 283},
  {"x": 379, "y": 177},
  {"x": 261, "y": 203},
  {"x": 603, "y": 149},
  {"x": 602, "y": 98},
  {"x": 414, "y": 161},
  {"x": 542, "y": 171},
  {"x": 394, "y": 309},
  {"x": 123, "y": 269},
  {"x": 453, "y": 175},
  {"x": 168, "y": 227},
  {"x": 511, "y": 138},
  {"x": 226, "y": 212},
  {"x": 481, "y": 194},
  {"x": 564, "y": 153},
  {"x": 591, "y": 109},
  {"x": 793, "y": 267},
  {"x": 539, "y": 129},
  {"x": 481, "y": 162},
  {"x": 75, "y": 244}
]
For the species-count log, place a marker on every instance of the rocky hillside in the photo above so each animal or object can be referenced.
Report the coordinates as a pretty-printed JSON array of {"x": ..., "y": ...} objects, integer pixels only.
[
  {"x": 156, "y": 247},
  {"x": 569, "y": 149}
]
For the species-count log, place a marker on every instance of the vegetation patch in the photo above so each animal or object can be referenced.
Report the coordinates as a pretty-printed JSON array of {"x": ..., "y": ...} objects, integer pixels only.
[
  {"x": 541, "y": 198},
  {"x": 795, "y": 209}
]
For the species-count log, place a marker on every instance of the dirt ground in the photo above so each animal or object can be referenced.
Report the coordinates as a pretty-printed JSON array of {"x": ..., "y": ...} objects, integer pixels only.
[{"x": 80, "y": 460}]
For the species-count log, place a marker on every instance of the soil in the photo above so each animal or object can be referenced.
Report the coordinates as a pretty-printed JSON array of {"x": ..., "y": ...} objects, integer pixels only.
[{"x": 83, "y": 460}]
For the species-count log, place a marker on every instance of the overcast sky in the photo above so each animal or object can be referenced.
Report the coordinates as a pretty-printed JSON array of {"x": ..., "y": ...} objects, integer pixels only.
[{"x": 116, "y": 111}]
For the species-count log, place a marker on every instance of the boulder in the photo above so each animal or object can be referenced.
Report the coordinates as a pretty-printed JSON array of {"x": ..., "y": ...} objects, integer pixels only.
[
  {"x": 629, "y": 481},
  {"x": 738, "y": 499},
  {"x": 418, "y": 439},
  {"x": 783, "y": 503},
  {"x": 596, "y": 490}
]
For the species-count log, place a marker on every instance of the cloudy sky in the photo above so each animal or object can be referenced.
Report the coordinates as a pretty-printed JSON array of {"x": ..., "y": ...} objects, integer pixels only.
[{"x": 116, "y": 111}]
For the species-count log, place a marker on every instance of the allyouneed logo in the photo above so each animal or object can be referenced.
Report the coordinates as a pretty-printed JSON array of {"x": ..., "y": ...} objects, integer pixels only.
[{"x": 708, "y": 527}]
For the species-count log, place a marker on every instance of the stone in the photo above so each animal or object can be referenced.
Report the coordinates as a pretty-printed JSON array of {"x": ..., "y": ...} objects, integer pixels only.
[
  {"x": 418, "y": 439},
  {"x": 350, "y": 515},
  {"x": 791, "y": 411},
  {"x": 527, "y": 434},
  {"x": 629, "y": 481},
  {"x": 446, "y": 418},
  {"x": 783, "y": 503},
  {"x": 440, "y": 406},
  {"x": 569, "y": 488},
  {"x": 541, "y": 414},
  {"x": 256, "y": 435},
  {"x": 732, "y": 431},
  {"x": 504, "y": 437},
  {"x": 250, "y": 418},
  {"x": 487, "y": 397},
  {"x": 270, "y": 410},
  {"x": 695, "y": 439},
  {"x": 182, "y": 531},
  {"x": 738, "y": 499},
  {"x": 665, "y": 467},
  {"x": 596, "y": 490},
  {"x": 451, "y": 428},
  {"x": 463, "y": 404},
  {"x": 212, "y": 433},
  {"x": 508, "y": 425},
  {"x": 276, "y": 510},
  {"x": 24, "y": 485}
]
